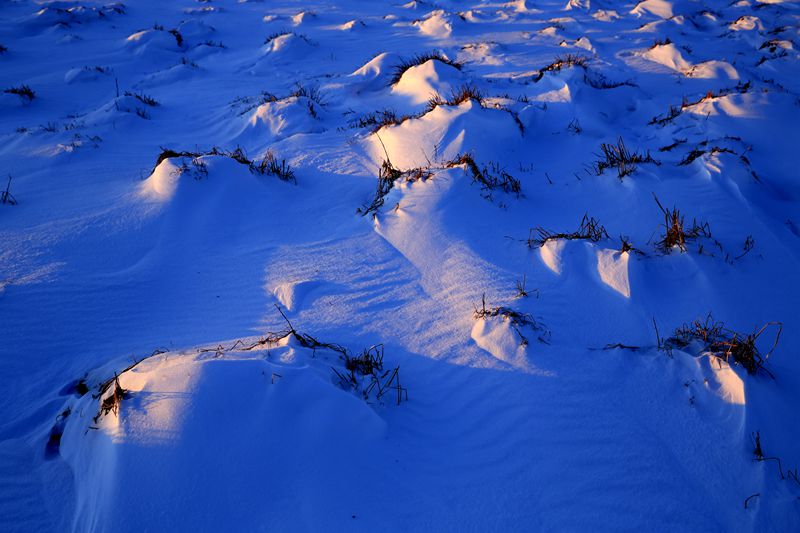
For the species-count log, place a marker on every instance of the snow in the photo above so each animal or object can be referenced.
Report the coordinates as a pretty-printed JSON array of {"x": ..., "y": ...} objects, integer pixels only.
[
  {"x": 669, "y": 56},
  {"x": 541, "y": 382},
  {"x": 612, "y": 266},
  {"x": 420, "y": 82}
]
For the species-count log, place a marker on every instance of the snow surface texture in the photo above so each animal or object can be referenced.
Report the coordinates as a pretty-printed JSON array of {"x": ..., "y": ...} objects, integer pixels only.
[{"x": 559, "y": 410}]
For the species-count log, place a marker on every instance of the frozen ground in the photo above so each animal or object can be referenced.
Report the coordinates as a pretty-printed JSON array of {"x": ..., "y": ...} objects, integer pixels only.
[{"x": 560, "y": 410}]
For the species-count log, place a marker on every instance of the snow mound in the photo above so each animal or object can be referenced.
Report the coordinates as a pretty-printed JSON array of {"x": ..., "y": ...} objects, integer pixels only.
[
  {"x": 560, "y": 93},
  {"x": 467, "y": 127},
  {"x": 669, "y": 56},
  {"x": 606, "y": 15},
  {"x": 180, "y": 72},
  {"x": 485, "y": 53},
  {"x": 497, "y": 337},
  {"x": 203, "y": 10},
  {"x": 584, "y": 43},
  {"x": 713, "y": 70},
  {"x": 659, "y": 8},
  {"x": 162, "y": 183},
  {"x": 206, "y": 184},
  {"x": 144, "y": 41},
  {"x": 85, "y": 74},
  {"x": 186, "y": 416},
  {"x": 65, "y": 14},
  {"x": 522, "y": 6},
  {"x": 302, "y": 17},
  {"x": 376, "y": 73},
  {"x": 578, "y": 4},
  {"x": 196, "y": 30},
  {"x": 437, "y": 24},
  {"x": 420, "y": 82},
  {"x": 746, "y": 23},
  {"x": 351, "y": 25},
  {"x": 283, "y": 118},
  {"x": 732, "y": 105},
  {"x": 288, "y": 47},
  {"x": 475, "y": 15},
  {"x": 127, "y": 109}
]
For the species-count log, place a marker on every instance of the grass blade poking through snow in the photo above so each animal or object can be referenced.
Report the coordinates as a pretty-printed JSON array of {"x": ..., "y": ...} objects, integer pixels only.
[
  {"x": 516, "y": 319},
  {"x": 675, "y": 235},
  {"x": 491, "y": 178},
  {"x": 590, "y": 230},
  {"x": 718, "y": 341},
  {"x": 419, "y": 59},
  {"x": 567, "y": 61},
  {"x": 369, "y": 365},
  {"x": 6, "y": 197},
  {"x": 617, "y": 156},
  {"x": 23, "y": 91},
  {"x": 112, "y": 402},
  {"x": 270, "y": 165},
  {"x": 387, "y": 176}
]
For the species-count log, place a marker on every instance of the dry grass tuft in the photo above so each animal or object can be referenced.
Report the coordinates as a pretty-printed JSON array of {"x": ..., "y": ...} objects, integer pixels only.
[
  {"x": 675, "y": 234},
  {"x": 112, "y": 402},
  {"x": 143, "y": 98},
  {"x": 718, "y": 341},
  {"x": 270, "y": 165},
  {"x": 516, "y": 319},
  {"x": 419, "y": 59},
  {"x": 378, "y": 119},
  {"x": 23, "y": 91},
  {"x": 590, "y": 229},
  {"x": 560, "y": 63},
  {"x": 458, "y": 96},
  {"x": 617, "y": 156},
  {"x": 369, "y": 367},
  {"x": 491, "y": 177}
]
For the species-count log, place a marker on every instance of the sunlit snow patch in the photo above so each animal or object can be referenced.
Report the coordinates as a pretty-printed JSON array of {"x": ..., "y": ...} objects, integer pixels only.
[
  {"x": 660, "y": 8},
  {"x": 420, "y": 82},
  {"x": 162, "y": 183},
  {"x": 550, "y": 253},
  {"x": 436, "y": 24},
  {"x": 467, "y": 127},
  {"x": 612, "y": 266}
]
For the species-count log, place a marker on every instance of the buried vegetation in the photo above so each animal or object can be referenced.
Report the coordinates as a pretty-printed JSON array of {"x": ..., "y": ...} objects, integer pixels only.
[
  {"x": 23, "y": 91},
  {"x": 459, "y": 95},
  {"x": 716, "y": 340},
  {"x": 387, "y": 176},
  {"x": 491, "y": 177},
  {"x": 618, "y": 157},
  {"x": 419, "y": 59},
  {"x": 269, "y": 165},
  {"x": 675, "y": 233},
  {"x": 590, "y": 230},
  {"x": 364, "y": 373},
  {"x": 517, "y": 320}
]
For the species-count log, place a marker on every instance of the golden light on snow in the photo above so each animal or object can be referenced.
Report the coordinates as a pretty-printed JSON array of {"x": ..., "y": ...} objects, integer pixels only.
[{"x": 352, "y": 233}]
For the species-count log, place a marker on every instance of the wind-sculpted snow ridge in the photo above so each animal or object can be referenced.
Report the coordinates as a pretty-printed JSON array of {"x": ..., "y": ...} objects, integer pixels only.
[{"x": 407, "y": 266}]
